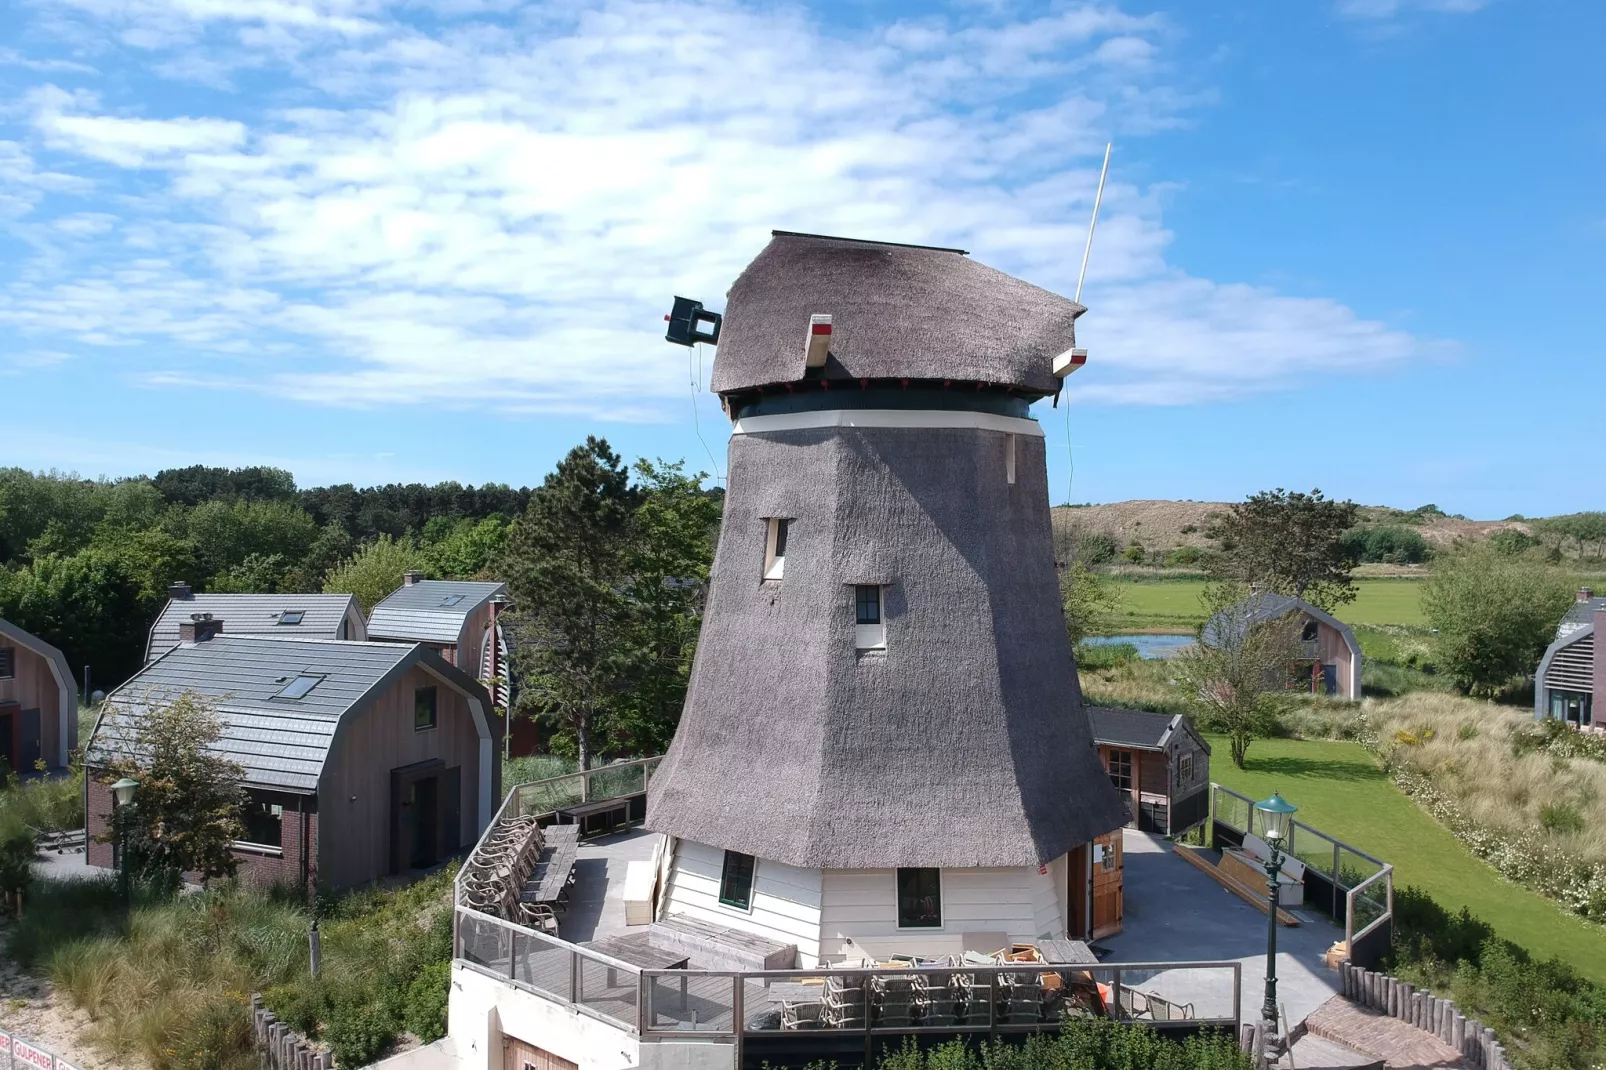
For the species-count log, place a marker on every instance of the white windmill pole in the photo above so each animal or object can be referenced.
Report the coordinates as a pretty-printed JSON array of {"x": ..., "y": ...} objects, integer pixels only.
[{"x": 1097, "y": 200}]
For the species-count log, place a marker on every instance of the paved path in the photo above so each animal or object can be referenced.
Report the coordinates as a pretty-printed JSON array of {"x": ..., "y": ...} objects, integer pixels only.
[
  {"x": 1175, "y": 912},
  {"x": 596, "y": 903},
  {"x": 1400, "y": 1046}
]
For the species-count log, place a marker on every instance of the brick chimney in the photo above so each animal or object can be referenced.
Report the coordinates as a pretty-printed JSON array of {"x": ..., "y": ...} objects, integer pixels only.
[
  {"x": 411, "y": 576},
  {"x": 180, "y": 590},
  {"x": 199, "y": 628},
  {"x": 1586, "y": 593}
]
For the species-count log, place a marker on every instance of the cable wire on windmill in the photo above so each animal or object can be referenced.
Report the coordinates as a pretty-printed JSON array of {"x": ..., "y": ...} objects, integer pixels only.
[{"x": 1066, "y": 363}]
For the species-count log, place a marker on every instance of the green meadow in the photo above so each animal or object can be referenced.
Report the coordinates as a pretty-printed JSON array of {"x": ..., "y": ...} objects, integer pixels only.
[{"x": 1174, "y": 605}]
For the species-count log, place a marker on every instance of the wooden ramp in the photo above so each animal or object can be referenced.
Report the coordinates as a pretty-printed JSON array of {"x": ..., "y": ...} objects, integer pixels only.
[{"x": 1254, "y": 897}]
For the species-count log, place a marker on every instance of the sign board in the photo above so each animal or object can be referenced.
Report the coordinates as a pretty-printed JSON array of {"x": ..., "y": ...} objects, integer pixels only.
[
  {"x": 26, "y": 1055},
  {"x": 5, "y": 1050},
  {"x": 63, "y": 1064}
]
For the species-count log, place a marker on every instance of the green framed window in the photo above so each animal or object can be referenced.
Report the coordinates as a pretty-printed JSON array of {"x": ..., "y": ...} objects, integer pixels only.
[
  {"x": 736, "y": 881},
  {"x": 424, "y": 709}
]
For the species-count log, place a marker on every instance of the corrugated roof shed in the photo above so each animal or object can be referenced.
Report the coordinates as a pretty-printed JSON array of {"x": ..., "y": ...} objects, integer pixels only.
[
  {"x": 1130, "y": 728},
  {"x": 281, "y": 742},
  {"x": 258, "y": 614},
  {"x": 430, "y": 611}
]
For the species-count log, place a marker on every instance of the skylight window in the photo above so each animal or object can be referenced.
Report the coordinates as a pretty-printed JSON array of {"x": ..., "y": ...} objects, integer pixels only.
[
  {"x": 292, "y": 616},
  {"x": 300, "y": 687},
  {"x": 451, "y": 600}
]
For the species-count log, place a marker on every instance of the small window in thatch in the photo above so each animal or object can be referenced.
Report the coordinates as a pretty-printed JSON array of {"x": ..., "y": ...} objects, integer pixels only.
[
  {"x": 1121, "y": 769},
  {"x": 736, "y": 881},
  {"x": 869, "y": 632},
  {"x": 775, "y": 548},
  {"x": 1009, "y": 458},
  {"x": 919, "y": 899}
]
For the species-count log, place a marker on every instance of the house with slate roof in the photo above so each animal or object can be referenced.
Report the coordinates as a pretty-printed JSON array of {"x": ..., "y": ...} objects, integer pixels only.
[
  {"x": 293, "y": 616},
  {"x": 1159, "y": 763},
  {"x": 456, "y": 618},
  {"x": 1572, "y": 675},
  {"x": 38, "y": 703},
  {"x": 1328, "y": 661},
  {"x": 361, "y": 759}
]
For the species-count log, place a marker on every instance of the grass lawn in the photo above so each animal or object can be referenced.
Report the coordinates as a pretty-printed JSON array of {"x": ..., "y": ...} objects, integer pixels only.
[
  {"x": 1173, "y": 605},
  {"x": 1340, "y": 790}
]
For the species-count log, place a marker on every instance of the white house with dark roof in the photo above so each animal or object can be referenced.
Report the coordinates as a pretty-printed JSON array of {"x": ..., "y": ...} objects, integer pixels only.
[
  {"x": 361, "y": 759},
  {"x": 296, "y": 616},
  {"x": 457, "y": 618}
]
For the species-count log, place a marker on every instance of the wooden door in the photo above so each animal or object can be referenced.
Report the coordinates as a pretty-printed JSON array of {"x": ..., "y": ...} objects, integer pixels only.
[
  {"x": 518, "y": 1055},
  {"x": 1108, "y": 902}
]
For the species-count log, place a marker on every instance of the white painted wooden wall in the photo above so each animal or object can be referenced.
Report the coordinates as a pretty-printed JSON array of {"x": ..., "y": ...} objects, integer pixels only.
[{"x": 786, "y": 899}]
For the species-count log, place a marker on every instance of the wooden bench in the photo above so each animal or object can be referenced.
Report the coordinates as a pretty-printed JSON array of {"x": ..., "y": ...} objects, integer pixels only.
[
  {"x": 615, "y": 812},
  {"x": 720, "y": 948},
  {"x": 1247, "y": 865}
]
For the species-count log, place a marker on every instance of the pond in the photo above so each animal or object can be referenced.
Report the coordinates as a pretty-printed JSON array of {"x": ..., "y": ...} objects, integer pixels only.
[{"x": 1149, "y": 646}]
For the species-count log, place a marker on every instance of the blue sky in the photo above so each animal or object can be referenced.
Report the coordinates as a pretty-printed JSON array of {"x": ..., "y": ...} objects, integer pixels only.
[{"x": 1354, "y": 244}]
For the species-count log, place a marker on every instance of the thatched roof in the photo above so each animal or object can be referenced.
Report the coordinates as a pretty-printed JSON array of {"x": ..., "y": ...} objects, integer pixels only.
[
  {"x": 897, "y": 311},
  {"x": 965, "y": 742}
]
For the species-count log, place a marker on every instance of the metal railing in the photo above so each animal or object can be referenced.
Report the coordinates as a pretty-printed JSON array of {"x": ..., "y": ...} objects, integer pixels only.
[
  {"x": 1364, "y": 882},
  {"x": 722, "y": 1005},
  {"x": 947, "y": 1000}
]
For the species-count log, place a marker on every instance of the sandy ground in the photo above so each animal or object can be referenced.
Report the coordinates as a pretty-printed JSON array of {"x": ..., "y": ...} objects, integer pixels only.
[{"x": 29, "y": 1009}]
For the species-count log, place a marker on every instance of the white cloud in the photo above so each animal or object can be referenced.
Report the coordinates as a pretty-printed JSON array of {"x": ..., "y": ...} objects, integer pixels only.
[
  {"x": 1388, "y": 9},
  {"x": 498, "y": 214}
]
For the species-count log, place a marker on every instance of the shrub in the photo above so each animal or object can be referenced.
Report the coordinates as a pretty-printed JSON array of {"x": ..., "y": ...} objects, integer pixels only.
[
  {"x": 1512, "y": 543},
  {"x": 1183, "y": 556},
  {"x": 360, "y": 1029},
  {"x": 1096, "y": 548},
  {"x": 1134, "y": 553},
  {"x": 1560, "y": 817},
  {"x": 1390, "y": 545},
  {"x": 424, "y": 1013}
]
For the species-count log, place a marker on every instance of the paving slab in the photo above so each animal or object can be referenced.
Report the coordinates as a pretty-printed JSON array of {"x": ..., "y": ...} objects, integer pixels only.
[
  {"x": 1174, "y": 912},
  {"x": 1399, "y": 1045}
]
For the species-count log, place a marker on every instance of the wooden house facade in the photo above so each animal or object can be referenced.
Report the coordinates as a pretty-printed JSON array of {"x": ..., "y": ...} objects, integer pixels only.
[
  {"x": 1328, "y": 658},
  {"x": 361, "y": 759},
  {"x": 38, "y": 704},
  {"x": 1160, "y": 765}
]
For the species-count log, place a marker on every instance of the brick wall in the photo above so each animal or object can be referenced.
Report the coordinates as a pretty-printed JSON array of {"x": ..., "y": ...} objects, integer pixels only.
[
  {"x": 283, "y": 868},
  {"x": 97, "y": 821}
]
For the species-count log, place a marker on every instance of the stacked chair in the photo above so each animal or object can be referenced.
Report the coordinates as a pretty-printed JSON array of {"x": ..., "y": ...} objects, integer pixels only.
[{"x": 497, "y": 872}]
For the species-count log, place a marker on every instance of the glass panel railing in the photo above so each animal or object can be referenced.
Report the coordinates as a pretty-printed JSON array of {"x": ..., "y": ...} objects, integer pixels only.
[
  {"x": 544, "y": 965},
  {"x": 690, "y": 1001},
  {"x": 610, "y": 990}
]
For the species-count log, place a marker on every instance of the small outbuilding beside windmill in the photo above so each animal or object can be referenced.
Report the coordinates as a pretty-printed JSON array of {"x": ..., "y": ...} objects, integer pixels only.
[
  {"x": 1327, "y": 660},
  {"x": 1160, "y": 765}
]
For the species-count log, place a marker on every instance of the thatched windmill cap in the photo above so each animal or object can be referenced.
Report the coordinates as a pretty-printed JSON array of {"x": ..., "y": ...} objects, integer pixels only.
[{"x": 897, "y": 311}]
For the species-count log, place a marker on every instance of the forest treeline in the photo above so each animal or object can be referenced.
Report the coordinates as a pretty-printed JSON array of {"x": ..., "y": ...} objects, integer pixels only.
[{"x": 86, "y": 563}]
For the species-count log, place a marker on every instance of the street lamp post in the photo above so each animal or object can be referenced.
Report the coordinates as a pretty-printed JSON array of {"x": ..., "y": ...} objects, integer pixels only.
[
  {"x": 124, "y": 791},
  {"x": 1276, "y": 817}
]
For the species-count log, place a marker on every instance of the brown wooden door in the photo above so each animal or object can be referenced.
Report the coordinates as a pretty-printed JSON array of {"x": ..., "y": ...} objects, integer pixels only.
[
  {"x": 1108, "y": 902},
  {"x": 517, "y": 1055}
]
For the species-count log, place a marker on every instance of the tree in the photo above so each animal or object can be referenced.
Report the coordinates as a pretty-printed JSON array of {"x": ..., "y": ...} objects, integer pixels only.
[
  {"x": 463, "y": 549},
  {"x": 375, "y": 570},
  {"x": 671, "y": 548},
  {"x": 1237, "y": 673},
  {"x": 1088, "y": 598},
  {"x": 89, "y": 605},
  {"x": 1495, "y": 614},
  {"x": 188, "y": 809},
  {"x": 1289, "y": 542},
  {"x": 567, "y": 565}
]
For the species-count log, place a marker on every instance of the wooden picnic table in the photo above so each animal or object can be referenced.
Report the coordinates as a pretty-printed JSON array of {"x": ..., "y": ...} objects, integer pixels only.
[
  {"x": 635, "y": 949},
  {"x": 550, "y": 875},
  {"x": 580, "y": 813}
]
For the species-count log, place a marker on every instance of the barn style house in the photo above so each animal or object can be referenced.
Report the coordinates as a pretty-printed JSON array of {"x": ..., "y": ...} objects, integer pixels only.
[
  {"x": 1328, "y": 661},
  {"x": 287, "y": 616},
  {"x": 1160, "y": 765},
  {"x": 1572, "y": 675},
  {"x": 38, "y": 704},
  {"x": 361, "y": 759},
  {"x": 458, "y": 619}
]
